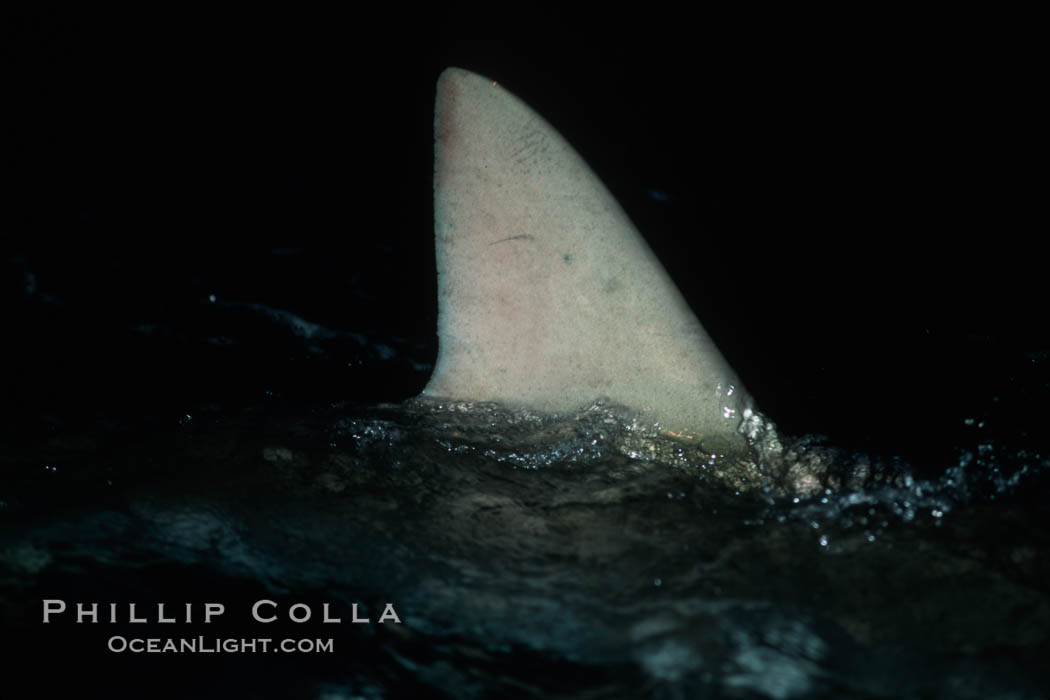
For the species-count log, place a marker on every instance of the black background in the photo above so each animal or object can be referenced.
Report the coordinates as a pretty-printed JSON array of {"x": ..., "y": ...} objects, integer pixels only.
[{"x": 849, "y": 212}]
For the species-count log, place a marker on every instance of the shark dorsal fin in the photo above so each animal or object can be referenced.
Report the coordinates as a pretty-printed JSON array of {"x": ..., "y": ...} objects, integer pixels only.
[{"x": 548, "y": 297}]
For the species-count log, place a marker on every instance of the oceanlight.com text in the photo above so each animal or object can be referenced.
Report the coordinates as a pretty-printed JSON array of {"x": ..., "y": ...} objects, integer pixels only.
[{"x": 217, "y": 645}]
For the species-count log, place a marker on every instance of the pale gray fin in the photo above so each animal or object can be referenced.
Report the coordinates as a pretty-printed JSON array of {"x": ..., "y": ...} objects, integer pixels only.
[{"x": 548, "y": 296}]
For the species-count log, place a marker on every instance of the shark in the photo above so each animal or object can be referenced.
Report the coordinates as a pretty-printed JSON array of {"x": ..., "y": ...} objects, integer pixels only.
[
  {"x": 603, "y": 575},
  {"x": 549, "y": 298}
]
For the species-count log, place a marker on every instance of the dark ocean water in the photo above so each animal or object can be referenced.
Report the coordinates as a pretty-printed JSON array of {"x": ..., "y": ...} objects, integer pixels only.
[
  {"x": 573, "y": 556},
  {"x": 219, "y": 294}
]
